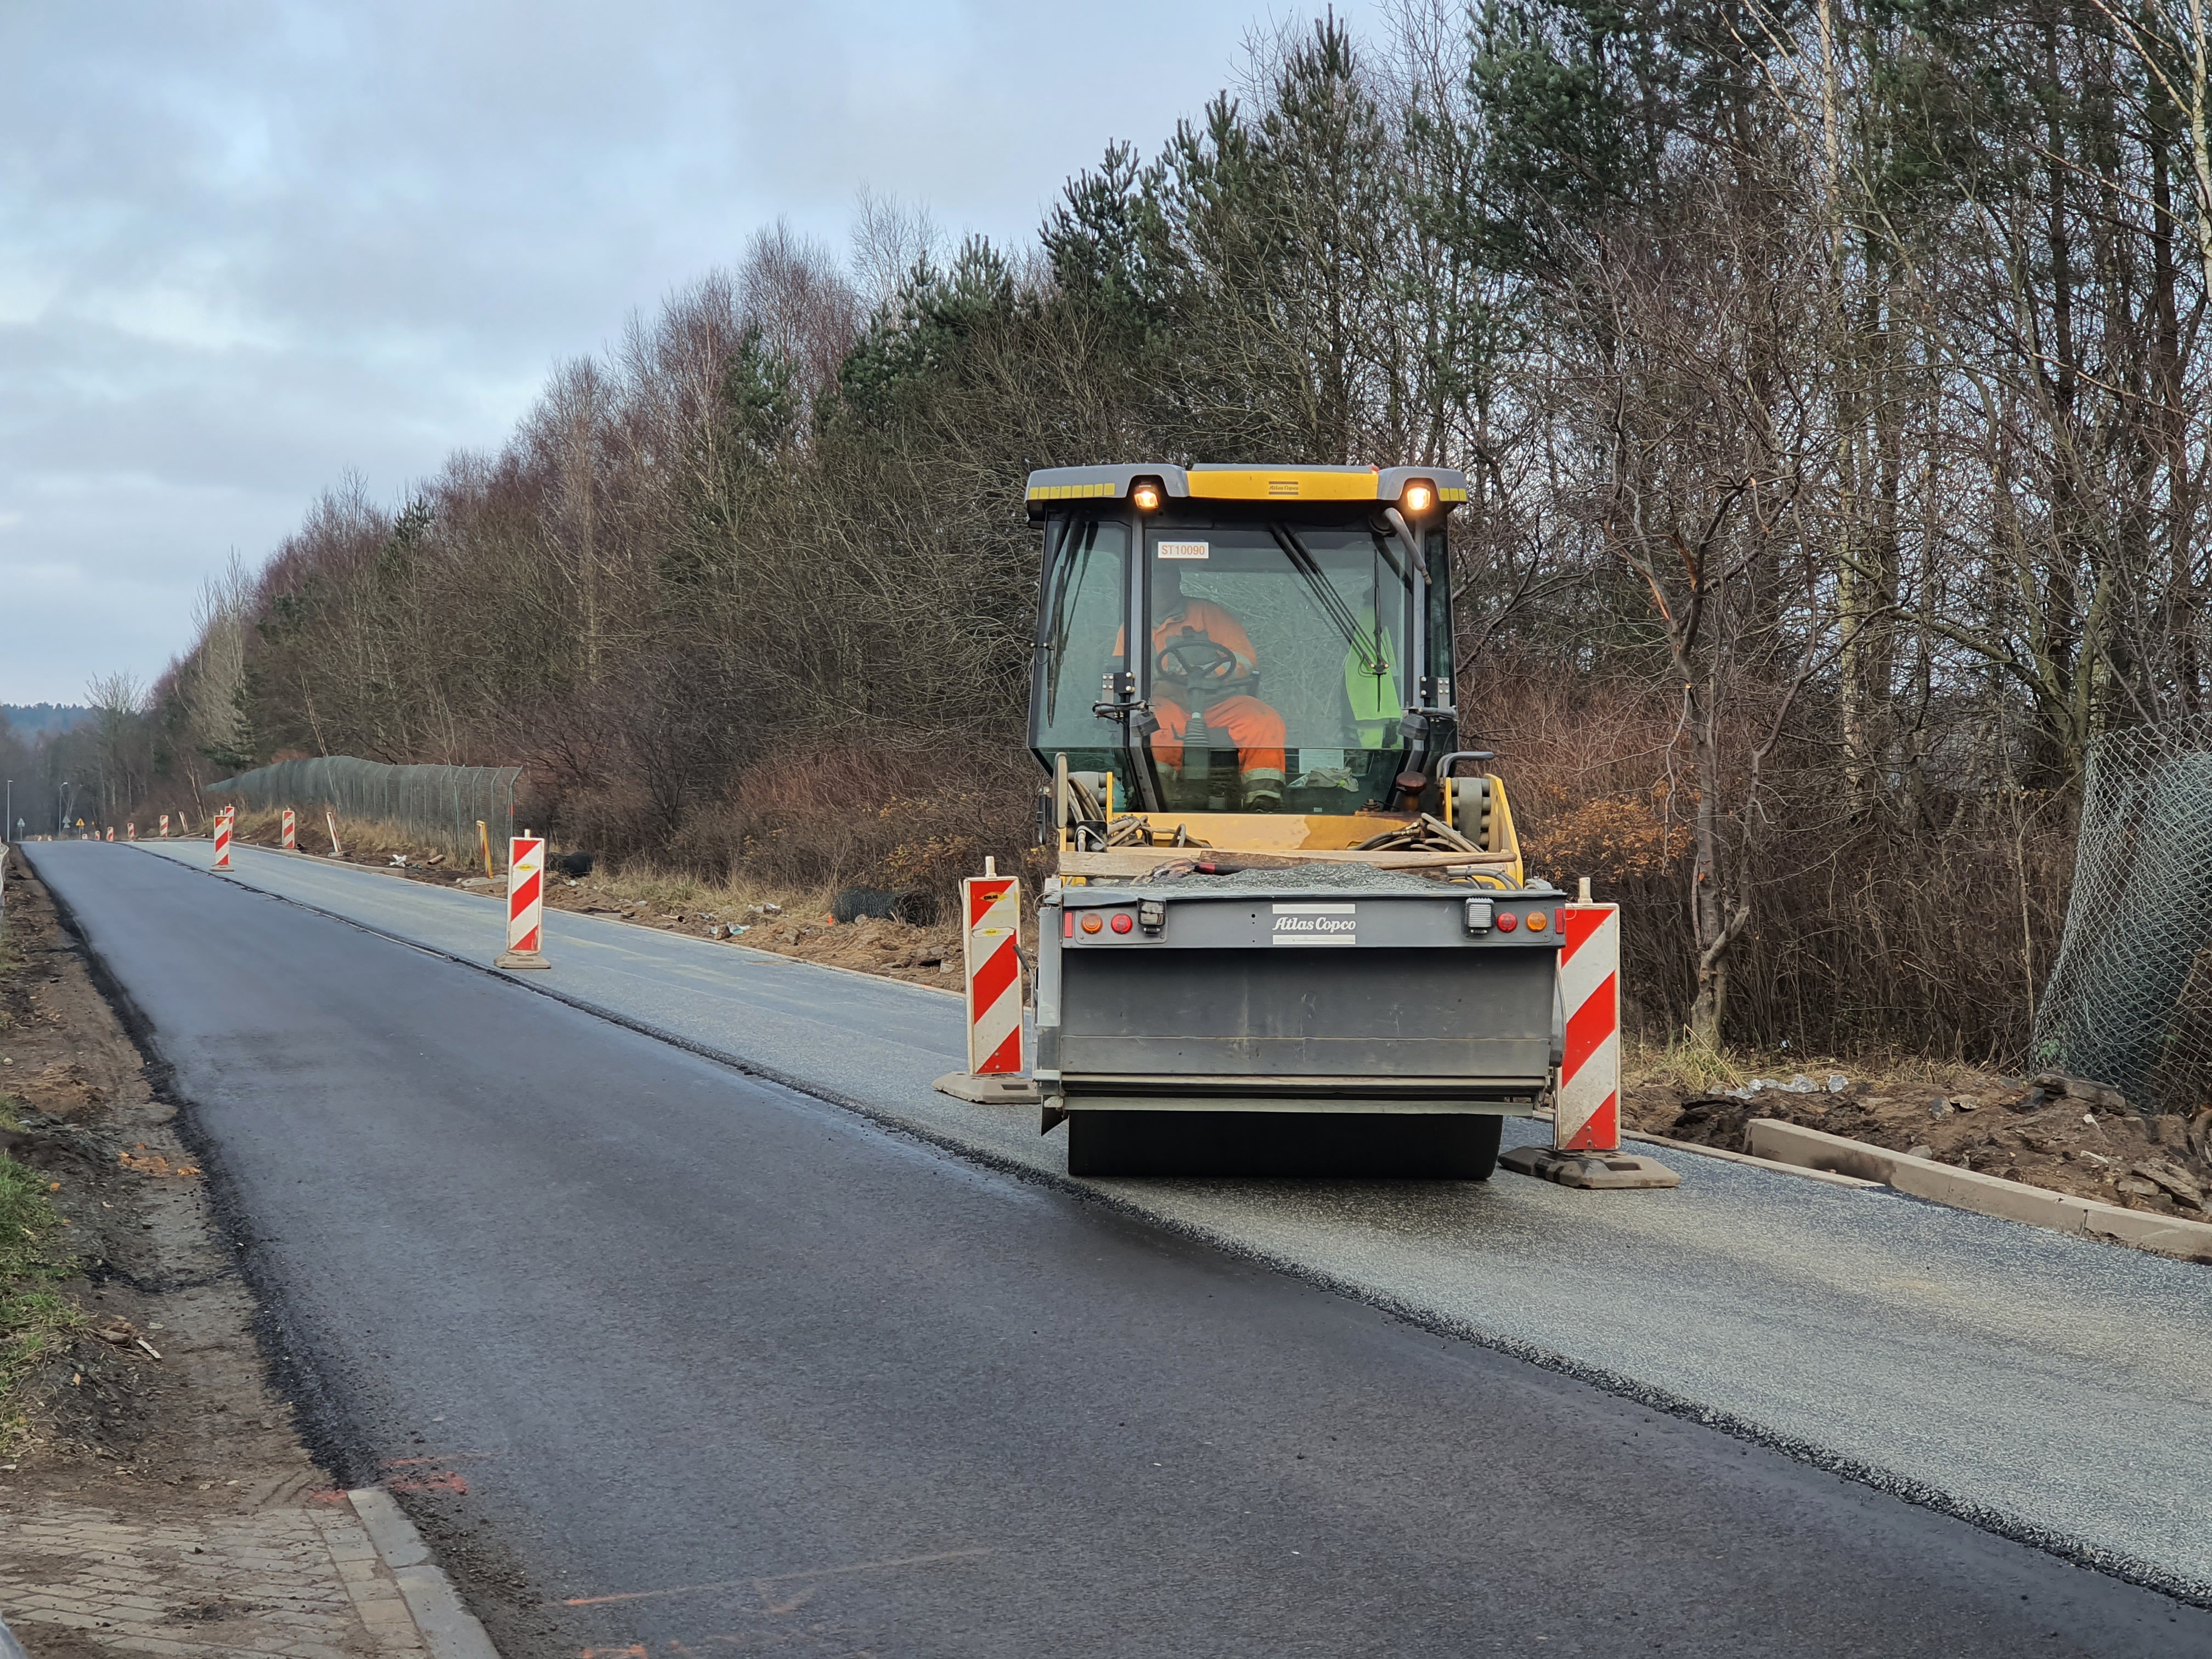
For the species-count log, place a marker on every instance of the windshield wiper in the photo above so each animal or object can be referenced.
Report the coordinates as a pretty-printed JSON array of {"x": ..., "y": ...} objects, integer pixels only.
[
  {"x": 1056, "y": 636},
  {"x": 1332, "y": 602}
]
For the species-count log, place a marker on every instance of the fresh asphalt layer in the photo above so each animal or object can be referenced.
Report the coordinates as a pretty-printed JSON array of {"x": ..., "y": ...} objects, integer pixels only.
[
  {"x": 2053, "y": 1388},
  {"x": 674, "y": 1327}
]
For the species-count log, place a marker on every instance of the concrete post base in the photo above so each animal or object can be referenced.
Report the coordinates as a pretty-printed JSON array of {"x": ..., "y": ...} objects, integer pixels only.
[
  {"x": 989, "y": 1090},
  {"x": 1594, "y": 1171}
]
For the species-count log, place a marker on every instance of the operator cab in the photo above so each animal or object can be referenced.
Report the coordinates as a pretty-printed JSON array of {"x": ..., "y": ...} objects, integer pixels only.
[{"x": 1291, "y": 633}]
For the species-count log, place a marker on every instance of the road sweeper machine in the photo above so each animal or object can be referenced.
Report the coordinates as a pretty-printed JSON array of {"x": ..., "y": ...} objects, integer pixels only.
[{"x": 1290, "y": 931}]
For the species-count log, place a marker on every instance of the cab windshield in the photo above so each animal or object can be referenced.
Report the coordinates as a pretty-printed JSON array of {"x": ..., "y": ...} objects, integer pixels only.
[{"x": 1276, "y": 666}]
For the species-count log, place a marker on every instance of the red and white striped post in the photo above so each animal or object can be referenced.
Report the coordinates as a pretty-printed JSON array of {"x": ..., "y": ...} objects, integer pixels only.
[
  {"x": 1585, "y": 1150},
  {"x": 1587, "y": 1113},
  {"x": 165, "y": 826},
  {"x": 991, "y": 947},
  {"x": 110, "y": 832},
  {"x": 525, "y": 903},
  {"x": 130, "y": 831},
  {"x": 222, "y": 837},
  {"x": 291, "y": 832}
]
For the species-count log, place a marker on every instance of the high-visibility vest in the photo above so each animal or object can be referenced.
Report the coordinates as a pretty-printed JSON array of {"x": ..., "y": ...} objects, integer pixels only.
[{"x": 1376, "y": 707}]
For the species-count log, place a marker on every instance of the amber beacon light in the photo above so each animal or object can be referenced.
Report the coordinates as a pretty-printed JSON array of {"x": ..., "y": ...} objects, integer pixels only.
[
  {"x": 1146, "y": 494},
  {"x": 1419, "y": 497}
]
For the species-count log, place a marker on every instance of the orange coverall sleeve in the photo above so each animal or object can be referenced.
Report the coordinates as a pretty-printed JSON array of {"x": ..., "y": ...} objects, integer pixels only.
[{"x": 1216, "y": 624}]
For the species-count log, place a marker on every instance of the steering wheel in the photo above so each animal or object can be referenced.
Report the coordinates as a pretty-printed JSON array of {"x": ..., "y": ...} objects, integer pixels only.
[{"x": 1198, "y": 658}]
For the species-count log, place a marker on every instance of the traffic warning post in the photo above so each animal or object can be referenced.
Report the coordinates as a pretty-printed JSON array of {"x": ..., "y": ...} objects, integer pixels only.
[
  {"x": 165, "y": 826},
  {"x": 525, "y": 903},
  {"x": 223, "y": 821},
  {"x": 991, "y": 911},
  {"x": 991, "y": 951},
  {"x": 331, "y": 818},
  {"x": 130, "y": 831},
  {"x": 1588, "y": 1112},
  {"x": 291, "y": 832},
  {"x": 1585, "y": 1150},
  {"x": 110, "y": 832}
]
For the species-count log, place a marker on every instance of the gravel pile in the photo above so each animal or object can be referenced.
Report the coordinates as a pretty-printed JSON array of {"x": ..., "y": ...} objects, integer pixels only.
[{"x": 1317, "y": 878}]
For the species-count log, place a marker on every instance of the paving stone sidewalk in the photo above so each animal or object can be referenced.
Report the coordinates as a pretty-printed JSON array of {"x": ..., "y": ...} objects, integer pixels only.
[{"x": 294, "y": 1579}]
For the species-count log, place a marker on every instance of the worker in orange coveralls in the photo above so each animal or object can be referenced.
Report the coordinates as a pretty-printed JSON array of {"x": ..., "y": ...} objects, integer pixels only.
[{"x": 1198, "y": 643}]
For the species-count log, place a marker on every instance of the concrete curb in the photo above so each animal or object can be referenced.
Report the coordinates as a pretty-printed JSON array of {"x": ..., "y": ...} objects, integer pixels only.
[
  {"x": 1829, "y": 1178},
  {"x": 2009, "y": 1200},
  {"x": 448, "y": 1629}
]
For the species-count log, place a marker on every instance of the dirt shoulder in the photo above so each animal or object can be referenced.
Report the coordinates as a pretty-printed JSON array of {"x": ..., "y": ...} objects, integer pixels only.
[
  {"x": 802, "y": 929},
  {"x": 369, "y": 845},
  {"x": 99, "y": 1410},
  {"x": 143, "y": 1446},
  {"x": 789, "y": 924},
  {"x": 2089, "y": 1145}
]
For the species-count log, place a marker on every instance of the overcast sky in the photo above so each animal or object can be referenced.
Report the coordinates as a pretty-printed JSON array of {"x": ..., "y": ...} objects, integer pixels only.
[{"x": 244, "y": 247}]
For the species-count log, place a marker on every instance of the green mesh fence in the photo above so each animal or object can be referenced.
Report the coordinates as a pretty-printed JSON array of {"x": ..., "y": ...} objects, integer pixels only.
[
  {"x": 438, "y": 803},
  {"x": 2129, "y": 998}
]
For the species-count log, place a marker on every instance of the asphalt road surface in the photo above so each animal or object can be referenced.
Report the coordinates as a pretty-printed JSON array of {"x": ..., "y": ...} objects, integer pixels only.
[
  {"x": 2055, "y": 1389},
  {"x": 675, "y": 1360}
]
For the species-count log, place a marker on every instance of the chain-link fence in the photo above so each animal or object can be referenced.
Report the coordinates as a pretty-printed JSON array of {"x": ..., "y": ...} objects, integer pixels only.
[
  {"x": 440, "y": 804},
  {"x": 2129, "y": 1001}
]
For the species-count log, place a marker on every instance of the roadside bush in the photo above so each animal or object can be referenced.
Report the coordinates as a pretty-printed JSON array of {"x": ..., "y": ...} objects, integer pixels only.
[
  {"x": 1873, "y": 928},
  {"x": 879, "y": 817}
]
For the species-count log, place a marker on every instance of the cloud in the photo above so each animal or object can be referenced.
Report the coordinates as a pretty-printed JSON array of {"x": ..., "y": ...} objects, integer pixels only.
[{"x": 252, "y": 246}]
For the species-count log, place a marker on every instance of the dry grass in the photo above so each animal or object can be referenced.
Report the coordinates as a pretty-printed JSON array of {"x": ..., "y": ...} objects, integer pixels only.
[
  {"x": 367, "y": 840},
  {"x": 659, "y": 889},
  {"x": 675, "y": 902},
  {"x": 35, "y": 1319},
  {"x": 1684, "y": 1067}
]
